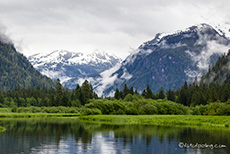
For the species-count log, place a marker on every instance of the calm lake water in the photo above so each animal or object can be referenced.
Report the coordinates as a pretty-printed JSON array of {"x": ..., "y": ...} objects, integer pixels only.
[{"x": 70, "y": 135}]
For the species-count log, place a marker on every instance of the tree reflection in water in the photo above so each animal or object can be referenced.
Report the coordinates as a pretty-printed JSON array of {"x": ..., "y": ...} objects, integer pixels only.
[{"x": 70, "y": 135}]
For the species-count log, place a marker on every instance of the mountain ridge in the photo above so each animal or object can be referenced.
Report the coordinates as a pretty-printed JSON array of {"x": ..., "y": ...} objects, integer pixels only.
[
  {"x": 67, "y": 65},
  {"x": 17, "y": 71},
  {"x": 168, "y": 61}
]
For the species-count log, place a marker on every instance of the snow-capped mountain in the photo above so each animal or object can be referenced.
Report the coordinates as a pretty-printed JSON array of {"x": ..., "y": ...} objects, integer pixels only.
[
  {"x": 166, "y": 61},
  {"x": 67, "y": 65}
]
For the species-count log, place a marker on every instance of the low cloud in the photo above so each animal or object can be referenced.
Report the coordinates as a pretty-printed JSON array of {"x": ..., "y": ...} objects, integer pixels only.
[
  {"x": 3, "y": 35},
  {"x": 108, "y": 79},
  {"x": 212, "y": 47}
]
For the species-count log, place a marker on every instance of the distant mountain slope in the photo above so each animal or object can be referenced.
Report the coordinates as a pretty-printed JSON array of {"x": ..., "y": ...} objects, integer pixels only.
[
  {"x": 16, "y": 70},
  {"x": 166, "y": 61},
  {"x": 220, "y": 72},
  {"x": 69, "y": 66}
]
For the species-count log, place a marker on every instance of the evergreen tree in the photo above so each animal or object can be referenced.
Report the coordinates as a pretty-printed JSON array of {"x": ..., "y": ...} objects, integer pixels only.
[
  {"x": 171, "y": 95},
  {"x": 86, "y": 92},
  {"x": 212, "y": 94},
  {"x": 91, "y": 91},
  {"x": 58, "y": 93},
  {"x": 117, "y": 94},
  {"x": 144, "y": 94},
  {"x": 95, "y": 96},
  {"x": 65, "y": 100},
  {"x": 82, "y": 99},
  {"x": 149, "y": 93},
  {"x": 136, "y": 92},
  {"x": 121, "y": 95},
  {"x": 52, "y": 100},
  {"x": 131, "y": 90},
  {"x": 183, "y": 97},
  {"x": 77, "y": 92},
  {"x": 125, "y": 91},
  {"x": 198, "y": 98},
  {"x": 225, "y": 94},
  {"x": 161, "y": 94}
]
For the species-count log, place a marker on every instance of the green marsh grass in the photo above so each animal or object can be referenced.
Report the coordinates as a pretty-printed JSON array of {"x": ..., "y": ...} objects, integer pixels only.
[{"x": 164, "y": 120}]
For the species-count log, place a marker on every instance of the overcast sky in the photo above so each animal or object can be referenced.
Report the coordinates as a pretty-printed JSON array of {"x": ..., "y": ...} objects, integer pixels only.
[{"x": 114, "y": 26}]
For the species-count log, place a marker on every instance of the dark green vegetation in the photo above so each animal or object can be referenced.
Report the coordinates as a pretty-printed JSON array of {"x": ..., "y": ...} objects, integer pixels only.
[
  {"x": 170, "y": 120},
  {"x": 134, "y": 105},
  {"x": 16, "y": 70},
  {"x": 44, "y": 97},
  {"x": 84, "y": 101}
]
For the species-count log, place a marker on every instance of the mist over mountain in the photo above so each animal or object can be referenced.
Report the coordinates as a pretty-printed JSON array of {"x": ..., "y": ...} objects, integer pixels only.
[{"x": 218, "y": 73}]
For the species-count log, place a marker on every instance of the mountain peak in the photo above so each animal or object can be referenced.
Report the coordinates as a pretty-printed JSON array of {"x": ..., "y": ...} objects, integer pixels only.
[
  {"x": 67, "y": 65},
  {"x": 200, "y": 26},
  {"x": 196, "y": 28}
]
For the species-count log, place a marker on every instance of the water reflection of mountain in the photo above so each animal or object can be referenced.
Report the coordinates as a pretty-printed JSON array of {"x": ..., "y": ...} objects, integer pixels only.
[{"x": 70, "y": 135}]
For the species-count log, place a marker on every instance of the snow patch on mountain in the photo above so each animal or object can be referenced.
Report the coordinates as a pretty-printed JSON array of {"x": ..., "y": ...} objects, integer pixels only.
[{"x": 71, "y": 58}]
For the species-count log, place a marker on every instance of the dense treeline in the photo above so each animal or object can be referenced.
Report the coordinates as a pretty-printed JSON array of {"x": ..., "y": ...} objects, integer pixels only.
[
  {"x": 147, "y": 93},
  {"x": 59, "y": 96},
  {"x": 188, "y": 95}
]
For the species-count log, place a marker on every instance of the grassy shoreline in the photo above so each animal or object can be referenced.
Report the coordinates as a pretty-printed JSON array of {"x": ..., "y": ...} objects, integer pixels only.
[
  {"x": 164, "y": 120},
  {"x": 28, "y": 115}
]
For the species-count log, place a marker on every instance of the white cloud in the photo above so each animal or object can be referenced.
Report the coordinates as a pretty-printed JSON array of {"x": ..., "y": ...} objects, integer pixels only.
[
  {"x": 3, "y": 35},
  {"x": 107, "y": 79},
  {"x": 43, "y": 26},
  {"x": 126, "y": 74},
  {"x": 212, "y": 47}
]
